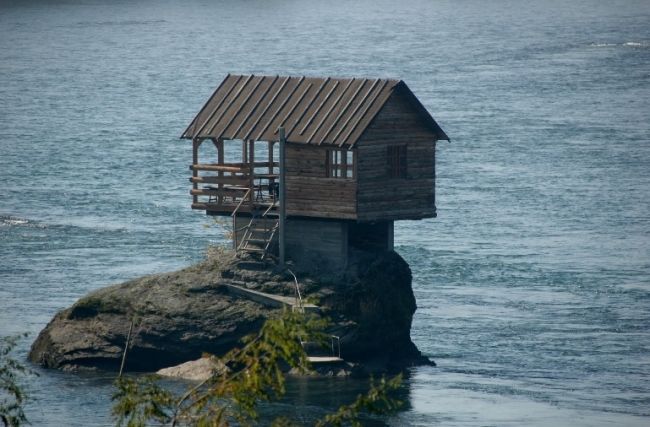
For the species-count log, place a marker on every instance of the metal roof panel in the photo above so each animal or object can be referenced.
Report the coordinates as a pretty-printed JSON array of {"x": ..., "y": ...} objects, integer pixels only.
[{"x": 329, "y": 111}]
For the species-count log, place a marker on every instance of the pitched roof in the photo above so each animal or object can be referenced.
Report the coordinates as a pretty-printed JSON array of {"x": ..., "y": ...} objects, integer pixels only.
[{"x": 312, "y": 110}]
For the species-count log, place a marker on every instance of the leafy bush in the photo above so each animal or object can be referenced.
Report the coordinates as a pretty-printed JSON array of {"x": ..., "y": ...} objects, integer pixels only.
[
  {"x": 254, "y": 374},
  {"x": 11, "y": 394}
]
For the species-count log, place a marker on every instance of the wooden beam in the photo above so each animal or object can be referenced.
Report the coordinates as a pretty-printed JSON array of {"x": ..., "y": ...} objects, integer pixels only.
[
  {"x": 218, "y": 168},
  {"x": 220, "y": 160},
  {"x": 266, "y": 175},
  {"x": 270, "y": 149},
  {"x": 227, "y": 180},
  {"x": 283, "y": 197},
  {"x": 242, "y": 164},
  {"x": 195, "y": 159},
  {"x": 251, "y": 167},
  {"x": 226, "y": 191},
  {"x": 220, "y": 207}
]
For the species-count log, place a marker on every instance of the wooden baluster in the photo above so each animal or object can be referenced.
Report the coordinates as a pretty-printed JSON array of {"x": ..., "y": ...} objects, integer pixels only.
[
  {"x": 220, "y": 160},
  {"x": 251, "y": 167}
]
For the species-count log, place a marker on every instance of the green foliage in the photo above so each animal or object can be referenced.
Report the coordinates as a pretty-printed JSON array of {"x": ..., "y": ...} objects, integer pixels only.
[
  {"x": 11, "y": 394},
  {"x": 140, "y": 401},
  {"x": 254, "y": 374},
  {"x": 377, "y": 400}
]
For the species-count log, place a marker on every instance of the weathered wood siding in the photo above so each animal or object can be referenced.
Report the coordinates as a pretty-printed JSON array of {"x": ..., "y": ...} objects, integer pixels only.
[
  {"x": 381, "y": 197},
  {"x": 309, "y": 191},
  {"x": 318, "y": 244}
]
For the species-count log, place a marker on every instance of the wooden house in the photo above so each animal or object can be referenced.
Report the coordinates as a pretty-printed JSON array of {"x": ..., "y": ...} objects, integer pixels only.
[{"x": 332, "y": 162}]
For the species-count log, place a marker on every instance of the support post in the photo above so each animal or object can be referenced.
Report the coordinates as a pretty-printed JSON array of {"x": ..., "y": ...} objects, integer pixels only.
[
  {"x": 283, "y": 198},
  {"x": 195, "y": 173},
  {"x": 220, "y": 160},
  {"x": 251, "y": 170}
]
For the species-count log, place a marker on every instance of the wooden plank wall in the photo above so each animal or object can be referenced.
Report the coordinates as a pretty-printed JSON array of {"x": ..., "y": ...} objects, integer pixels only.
[
  {"x": 381, "y": 197},
  {"x": 320, "y": 242},
  {"x": 309, "y": 192}
]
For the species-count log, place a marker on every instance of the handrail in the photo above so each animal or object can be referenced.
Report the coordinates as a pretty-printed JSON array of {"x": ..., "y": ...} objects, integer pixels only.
[
  {"x": 234, "y": 223},
  {"x": 298, "y": 296},
  {"x": 240, "y": 203},
  {"x": 269, "y": 208},
  {"x": 247, "y": 233},
  {"x": 302, "y": 310},
  {"x": 269, "y": 239},
  {"x": 338, "y": 340}
]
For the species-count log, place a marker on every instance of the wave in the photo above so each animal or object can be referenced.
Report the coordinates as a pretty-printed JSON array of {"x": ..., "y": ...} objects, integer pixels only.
[
  {"x": 626, "y": 44},
  {"x": 85, "y": 24},
  {"x": 96, "y": 224},
  {"x": 15, "y": 221}
]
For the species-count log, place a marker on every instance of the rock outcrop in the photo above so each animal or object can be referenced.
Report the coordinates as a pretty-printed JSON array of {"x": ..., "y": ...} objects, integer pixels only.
[
  {"x": 195, "y": 370},
  {"x": 181, "y": 315}
]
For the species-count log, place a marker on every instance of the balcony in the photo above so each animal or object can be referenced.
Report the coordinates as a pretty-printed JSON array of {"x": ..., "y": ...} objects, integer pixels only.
[{"x": 223, "y": 188}]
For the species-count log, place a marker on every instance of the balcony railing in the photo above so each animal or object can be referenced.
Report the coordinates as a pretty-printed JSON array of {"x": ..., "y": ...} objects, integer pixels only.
[{"x": 221, "y": 188}]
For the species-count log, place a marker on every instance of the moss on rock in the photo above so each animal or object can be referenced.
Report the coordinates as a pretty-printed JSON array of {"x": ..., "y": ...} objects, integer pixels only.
[{"x": 179, "y": 315}]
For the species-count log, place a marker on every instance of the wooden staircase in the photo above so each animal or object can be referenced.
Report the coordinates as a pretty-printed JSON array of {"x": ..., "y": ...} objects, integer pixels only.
[{"x": 259, "y": 233}]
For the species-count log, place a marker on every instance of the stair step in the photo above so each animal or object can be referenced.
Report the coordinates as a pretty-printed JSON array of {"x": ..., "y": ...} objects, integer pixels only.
[
  {"x": 314, "y": 360},
  {"x": 253, "y": 240},
  {"x": 259, "y": 234},
  {"x": 270, "y": 299},
  {"x": 253, "y": 249}
]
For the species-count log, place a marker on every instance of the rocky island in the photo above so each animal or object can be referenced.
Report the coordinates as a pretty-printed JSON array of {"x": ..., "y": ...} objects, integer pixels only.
[{"x": 178, "y": 316}]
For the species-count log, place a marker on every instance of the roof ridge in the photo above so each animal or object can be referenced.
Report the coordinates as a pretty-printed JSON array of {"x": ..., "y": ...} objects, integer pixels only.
[{"x": 307, "y": 76}]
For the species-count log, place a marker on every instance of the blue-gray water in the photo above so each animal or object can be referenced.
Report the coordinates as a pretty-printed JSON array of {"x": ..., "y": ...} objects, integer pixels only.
[{"x": 533, "y": 284}]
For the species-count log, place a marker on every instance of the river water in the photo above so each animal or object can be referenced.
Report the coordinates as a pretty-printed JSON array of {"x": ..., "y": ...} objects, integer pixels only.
[{"x": 533, "y": 284}]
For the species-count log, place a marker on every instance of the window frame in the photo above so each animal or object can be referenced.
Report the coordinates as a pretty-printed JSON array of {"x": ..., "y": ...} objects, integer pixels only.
[
  {"x": 340, "y": 163},
  {"x": 397, "y": 161}
]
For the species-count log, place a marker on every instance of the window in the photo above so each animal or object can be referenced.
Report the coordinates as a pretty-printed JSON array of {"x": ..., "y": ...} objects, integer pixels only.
[
  {"x": 397, "y": 161},
  {"x": 340, "y": 164}
]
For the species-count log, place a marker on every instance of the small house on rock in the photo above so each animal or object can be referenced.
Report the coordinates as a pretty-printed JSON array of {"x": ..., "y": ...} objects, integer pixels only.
[{"x": 311, "y": 167}]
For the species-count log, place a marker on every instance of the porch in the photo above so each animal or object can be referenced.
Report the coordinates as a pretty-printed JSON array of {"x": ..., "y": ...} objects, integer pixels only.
[{"x": 237, "y": 182}]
